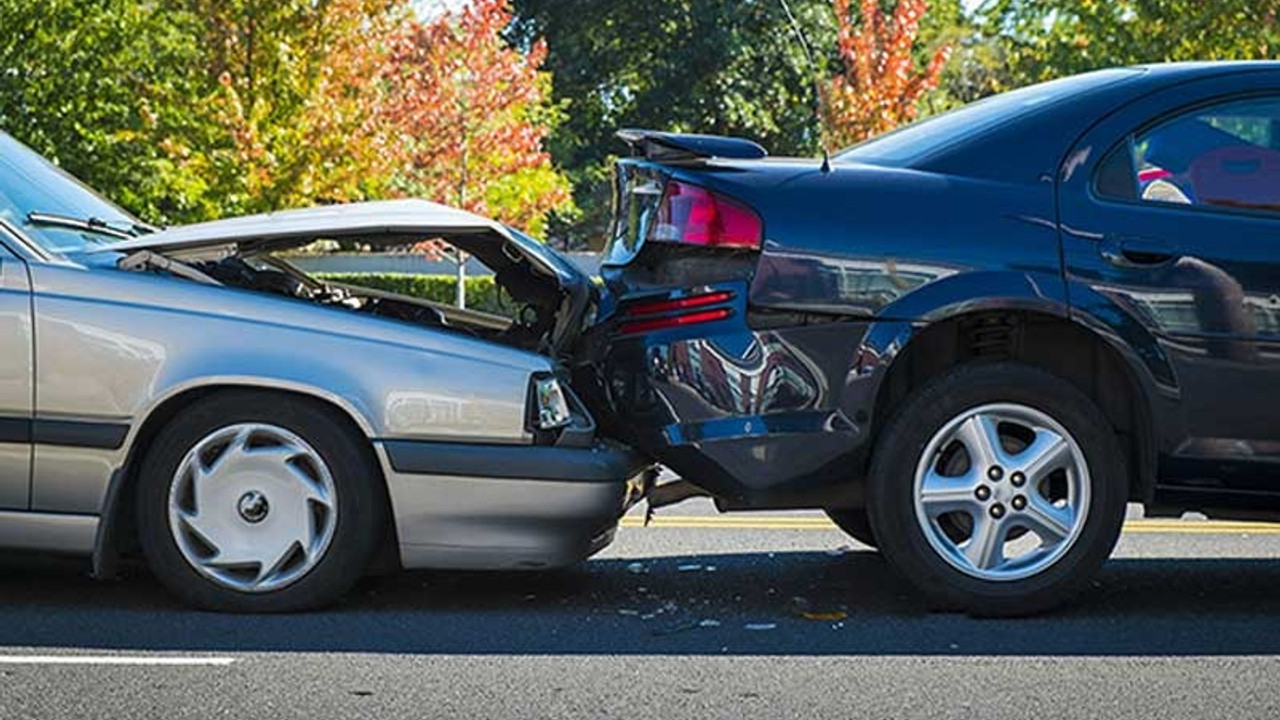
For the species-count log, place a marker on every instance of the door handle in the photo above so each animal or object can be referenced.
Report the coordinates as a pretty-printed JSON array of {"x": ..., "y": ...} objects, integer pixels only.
[{"x": 1136, "y": 252}]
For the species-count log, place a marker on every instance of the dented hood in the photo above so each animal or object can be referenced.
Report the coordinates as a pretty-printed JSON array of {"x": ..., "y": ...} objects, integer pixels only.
[{"x": 390, "y": 222}]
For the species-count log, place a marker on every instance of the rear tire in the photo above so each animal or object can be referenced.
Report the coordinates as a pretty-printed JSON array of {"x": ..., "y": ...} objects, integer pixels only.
[
  {"x": 855, "y": 523},
  {"x": 1007, "y": 435},
  {"x": 259, "y": 502}
]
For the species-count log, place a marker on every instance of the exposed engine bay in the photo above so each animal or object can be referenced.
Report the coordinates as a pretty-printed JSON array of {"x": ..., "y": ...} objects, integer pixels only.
[
  {"x": 533, "y": 313},
  {"x": 546, "y": 300}
]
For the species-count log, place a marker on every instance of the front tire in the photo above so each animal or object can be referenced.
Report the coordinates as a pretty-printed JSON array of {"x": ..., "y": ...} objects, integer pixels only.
[
  {"x": 258, "y": 502},
  {"x": 998, "y": 489}
]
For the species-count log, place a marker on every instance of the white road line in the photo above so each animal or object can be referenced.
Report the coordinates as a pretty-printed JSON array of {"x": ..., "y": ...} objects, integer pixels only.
[{"x": 113, "y": 660}]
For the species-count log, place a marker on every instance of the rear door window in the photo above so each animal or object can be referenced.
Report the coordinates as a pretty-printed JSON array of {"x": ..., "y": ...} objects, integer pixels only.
[{"x": 1224, "y": 156}]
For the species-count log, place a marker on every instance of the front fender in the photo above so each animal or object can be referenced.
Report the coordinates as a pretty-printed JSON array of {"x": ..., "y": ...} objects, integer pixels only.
[{"x": 113, "y": 346}]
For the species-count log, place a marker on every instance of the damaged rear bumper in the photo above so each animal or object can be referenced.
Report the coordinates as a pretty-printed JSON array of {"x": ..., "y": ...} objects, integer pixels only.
[{"x": 502, "y": 507}]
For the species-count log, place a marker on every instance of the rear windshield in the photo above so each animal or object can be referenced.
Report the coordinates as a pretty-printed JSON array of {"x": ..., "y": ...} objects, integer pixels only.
[{"x": 922, "y": 139}]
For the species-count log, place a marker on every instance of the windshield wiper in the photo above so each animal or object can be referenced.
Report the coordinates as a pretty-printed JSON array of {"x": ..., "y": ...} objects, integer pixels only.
[{"x": 91, "y": 224}]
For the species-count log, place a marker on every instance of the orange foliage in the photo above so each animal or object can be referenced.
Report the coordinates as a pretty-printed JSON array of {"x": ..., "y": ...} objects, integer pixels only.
[
  {"x": 880, "y": 84},
  {"x": 471, "y": 115}
]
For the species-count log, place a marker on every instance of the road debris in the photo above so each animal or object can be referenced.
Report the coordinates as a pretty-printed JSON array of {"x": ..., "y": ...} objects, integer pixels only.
[
  {"x": 760, "y": 626},
  {"x": 833, "y": 616}
]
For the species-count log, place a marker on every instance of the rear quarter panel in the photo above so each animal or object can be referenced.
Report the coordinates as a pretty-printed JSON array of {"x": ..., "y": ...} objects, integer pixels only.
[{"x": 779, "y": 398}]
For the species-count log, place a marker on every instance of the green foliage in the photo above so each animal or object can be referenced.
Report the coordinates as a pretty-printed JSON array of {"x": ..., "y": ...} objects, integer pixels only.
[
  {"x": 730, "y": 67},
  {"x": 978, "y": 64},
  {"x": 289, "y": 93},
  {"x": 184, "y": 110},
  {"x": 187, "y": 110},
  {"x": 97, "y": 87},
  {"x": 482, "y": 293},
  {"x": 715, "y": 66},
  {"x": 1045, "y": 39}
]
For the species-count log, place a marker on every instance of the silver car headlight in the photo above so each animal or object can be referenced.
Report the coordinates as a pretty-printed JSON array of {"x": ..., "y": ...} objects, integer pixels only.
[{"x": 550, "y": 406}]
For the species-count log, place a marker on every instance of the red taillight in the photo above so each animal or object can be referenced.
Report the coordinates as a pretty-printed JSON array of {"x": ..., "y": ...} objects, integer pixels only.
[
  {"x": 666, "y": 306},
  {"x": 678, "y": 306},
  {"x": 694, "y": 215},
  {"x": 702, "y": 316}
]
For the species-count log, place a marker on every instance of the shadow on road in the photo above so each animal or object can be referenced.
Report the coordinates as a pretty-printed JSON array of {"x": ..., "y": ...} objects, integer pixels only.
[{"x": 675, "y": 605}]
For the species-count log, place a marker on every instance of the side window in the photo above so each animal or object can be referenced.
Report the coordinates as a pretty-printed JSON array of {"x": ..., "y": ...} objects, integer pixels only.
[{"x": 1219, "y": 156}]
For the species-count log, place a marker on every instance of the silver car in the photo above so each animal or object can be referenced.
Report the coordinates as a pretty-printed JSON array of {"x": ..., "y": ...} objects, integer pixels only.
[{"x": 263, "y": 438}]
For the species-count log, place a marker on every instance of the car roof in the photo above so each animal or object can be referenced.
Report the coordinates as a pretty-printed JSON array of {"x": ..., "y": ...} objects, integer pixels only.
[
  {"x": 1207, "y": 67},
  {"x": 1042, "y": 137}
]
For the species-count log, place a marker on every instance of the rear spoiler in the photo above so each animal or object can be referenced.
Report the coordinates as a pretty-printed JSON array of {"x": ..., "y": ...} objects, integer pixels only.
[{"x": 682, "y": 147}]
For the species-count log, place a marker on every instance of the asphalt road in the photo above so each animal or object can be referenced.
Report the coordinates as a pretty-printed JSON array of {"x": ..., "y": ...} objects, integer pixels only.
[{"x": 699, "y": 617}]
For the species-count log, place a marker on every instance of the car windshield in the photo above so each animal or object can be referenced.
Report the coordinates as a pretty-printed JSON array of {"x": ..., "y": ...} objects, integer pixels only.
[
  {"x": 29, "y": 185},
  {"x": 924, "y": 138}
]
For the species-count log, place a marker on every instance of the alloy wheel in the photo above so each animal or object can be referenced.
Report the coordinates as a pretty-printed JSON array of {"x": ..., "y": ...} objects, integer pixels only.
[{"x": 1002, "y": 492}]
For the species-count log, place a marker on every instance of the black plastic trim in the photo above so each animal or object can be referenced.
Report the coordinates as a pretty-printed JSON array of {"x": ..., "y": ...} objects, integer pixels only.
[
  {"x": 15, "y": 430},
  {"x": 522, "y": 462},
  {"x": 71, "y": 433}
]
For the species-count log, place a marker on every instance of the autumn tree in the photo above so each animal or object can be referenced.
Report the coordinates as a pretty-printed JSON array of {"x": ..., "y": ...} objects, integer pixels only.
[
  {"x": 1046, "y": 39},
  {"x": 472, "y": 113},
  {"x": 293, "y": 105},
  {"x": 881, "y": 82},
  {"x": 472, "y": 116}
]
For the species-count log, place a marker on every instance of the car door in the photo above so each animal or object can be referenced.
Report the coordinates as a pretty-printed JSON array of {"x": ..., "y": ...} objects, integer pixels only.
[
  {"x": 15, "y": 382},
  {"x": 1170, "y": 209}
]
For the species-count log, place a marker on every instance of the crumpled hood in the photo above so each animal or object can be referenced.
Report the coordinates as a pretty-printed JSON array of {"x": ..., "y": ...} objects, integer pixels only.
[
  {"x": 390, "y": 221},
  {"x": 282, "y": 230},
  {"x": 515, "y": 258}
]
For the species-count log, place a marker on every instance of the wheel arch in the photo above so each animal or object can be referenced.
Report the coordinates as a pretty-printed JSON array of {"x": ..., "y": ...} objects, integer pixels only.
[
  {"x": 116, "y": 527},
  {"x": 1046, "y": 336}
]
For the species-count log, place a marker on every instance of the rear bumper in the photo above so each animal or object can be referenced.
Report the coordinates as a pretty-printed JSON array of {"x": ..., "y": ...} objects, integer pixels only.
[
  {"x": 750, "y": 415},
  {"x": 495, "y": 507}
]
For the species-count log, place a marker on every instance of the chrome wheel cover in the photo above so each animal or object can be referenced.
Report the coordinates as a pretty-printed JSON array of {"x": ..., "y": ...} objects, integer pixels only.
[
  {"x": 1002, "y": 492},
  {"x": 253, "y": 508}
]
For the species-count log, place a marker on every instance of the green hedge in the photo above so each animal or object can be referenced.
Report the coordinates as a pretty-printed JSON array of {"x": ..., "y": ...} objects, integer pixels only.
[{"x": 482, "y": 293}]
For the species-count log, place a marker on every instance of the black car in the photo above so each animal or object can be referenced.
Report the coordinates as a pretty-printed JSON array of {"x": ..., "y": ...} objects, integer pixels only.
[{"x": 970, "y": 341}]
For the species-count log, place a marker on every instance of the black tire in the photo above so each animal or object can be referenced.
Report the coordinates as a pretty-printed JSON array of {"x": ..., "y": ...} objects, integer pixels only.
[
  {"x": 855, "y": 523},
  {"x": 361, "y": 501},
  {"x": 891, "y": 489}
]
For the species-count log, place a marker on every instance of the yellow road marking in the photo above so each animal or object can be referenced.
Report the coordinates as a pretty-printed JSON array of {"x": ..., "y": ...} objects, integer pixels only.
[{"x": 745, "y": 522}]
